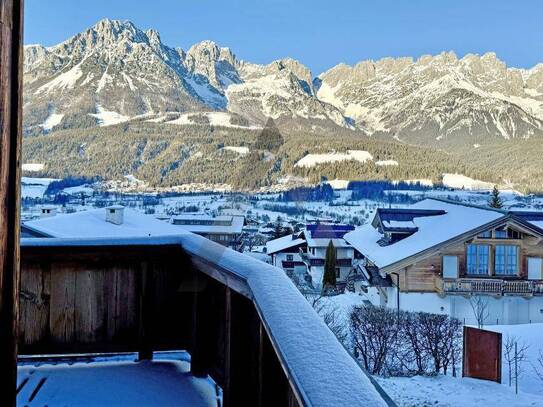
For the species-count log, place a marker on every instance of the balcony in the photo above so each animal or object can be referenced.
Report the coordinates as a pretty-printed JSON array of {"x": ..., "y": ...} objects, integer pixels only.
[
  {"x": 232, "y": 314},
  {"x": 493, "y": 287}
]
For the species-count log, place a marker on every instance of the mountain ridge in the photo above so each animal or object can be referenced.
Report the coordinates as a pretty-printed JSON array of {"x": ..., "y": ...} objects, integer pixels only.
[{"x": 114, "y": 71}]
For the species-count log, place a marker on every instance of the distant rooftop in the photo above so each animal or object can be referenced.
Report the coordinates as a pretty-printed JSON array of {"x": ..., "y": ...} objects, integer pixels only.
[
  {"x": 282, "y": 243},
  {"x": 92, "y": 223},
  {"x": 203, "y": 223},
  {"x": 328, "y": 230}
]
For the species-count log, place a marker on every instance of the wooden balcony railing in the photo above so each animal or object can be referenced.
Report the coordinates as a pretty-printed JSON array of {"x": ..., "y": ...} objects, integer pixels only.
[
  {"x": 243, "y": 321},
  {"x": 493, "y": 286}
]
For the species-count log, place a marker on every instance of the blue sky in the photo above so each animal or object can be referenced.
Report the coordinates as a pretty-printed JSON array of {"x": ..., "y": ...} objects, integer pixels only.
[{"x": 318, "y": 33}]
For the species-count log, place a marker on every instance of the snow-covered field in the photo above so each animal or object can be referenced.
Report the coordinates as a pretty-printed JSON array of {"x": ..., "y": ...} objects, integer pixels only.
[
  {"x": 447, "y": 391},
  {"x": 52, "y": 120},
  {"x": 461, "y": 181},
  {"x": 239, "y": 150},
  {"x": 218, "y": 119},
  {"x": 532, "y": 336},
  {"x": 107, "y": 117},
  {"x": 311, "y": 160},
  {"x": 34, "y": 187},
  {"x": 33, "y": 167}
]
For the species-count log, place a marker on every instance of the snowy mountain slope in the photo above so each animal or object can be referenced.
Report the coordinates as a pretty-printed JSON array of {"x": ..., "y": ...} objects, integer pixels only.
[
  {"x": 438, "y": 98},
  {"x": 117, "y": 68}
]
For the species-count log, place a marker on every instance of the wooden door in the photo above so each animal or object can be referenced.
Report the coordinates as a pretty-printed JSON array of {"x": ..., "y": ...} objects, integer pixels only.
[{"x": 482, "y": 354}]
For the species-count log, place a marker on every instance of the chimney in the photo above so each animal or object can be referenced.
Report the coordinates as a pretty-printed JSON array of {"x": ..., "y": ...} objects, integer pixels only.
[
  {"x": 115, "y": 214},
  {"x": 47, "y": 212}
]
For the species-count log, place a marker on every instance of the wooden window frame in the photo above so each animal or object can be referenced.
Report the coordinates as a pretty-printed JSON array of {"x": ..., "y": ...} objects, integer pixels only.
[
  {"x": 489, "y": 258},
  {"x": 518, "y": 254}
]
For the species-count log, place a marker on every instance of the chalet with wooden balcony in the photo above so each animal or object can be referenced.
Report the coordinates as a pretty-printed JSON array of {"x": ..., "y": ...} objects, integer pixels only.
[{"x": 440, "y": 254}]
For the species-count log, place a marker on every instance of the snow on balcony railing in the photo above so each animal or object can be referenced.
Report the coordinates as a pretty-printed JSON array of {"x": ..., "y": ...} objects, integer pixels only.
[{"x": 322, "y": 371}]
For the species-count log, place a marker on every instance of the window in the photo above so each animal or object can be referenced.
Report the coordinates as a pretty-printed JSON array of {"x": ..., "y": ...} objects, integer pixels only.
[
  {"x": 511, "y": 260},
  {"x": 290, "y": 257},
  {"x": 477, "y": 258},
  {"x": 450, "y": 267},
  {"x": 506, "y": 260},
  {"x": 500, "y": 234},
  {"x": 499, "y": 259},
  {"x": 338, "y": 272},
  {"x": 513, "y": 234},
  {"x": 485, "y": 235},
  {"x": 535, "y": 268}
]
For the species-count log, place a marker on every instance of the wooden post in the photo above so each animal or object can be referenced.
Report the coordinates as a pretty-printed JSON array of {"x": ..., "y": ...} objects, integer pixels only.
[
  {"x": 145, "y": 344},
  {"x": 243, "y": 361},
  {"x": 202, "y": 328},
  {"x": 274, "y": 385},
  {"x": 11, "y": 68}
]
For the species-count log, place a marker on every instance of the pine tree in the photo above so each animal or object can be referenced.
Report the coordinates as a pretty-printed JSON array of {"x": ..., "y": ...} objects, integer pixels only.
[
  {"x": 329, "y": 277},
  {"x": 495, "y": 200}
]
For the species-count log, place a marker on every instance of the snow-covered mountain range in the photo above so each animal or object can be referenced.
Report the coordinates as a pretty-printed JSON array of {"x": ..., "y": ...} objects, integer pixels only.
[
  {"x": 114, "y": 72},
  {"x": 440, "y": 97}
]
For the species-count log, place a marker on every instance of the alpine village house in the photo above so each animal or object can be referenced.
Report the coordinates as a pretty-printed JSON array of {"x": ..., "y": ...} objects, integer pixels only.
[{"x": 441, "y": 255}]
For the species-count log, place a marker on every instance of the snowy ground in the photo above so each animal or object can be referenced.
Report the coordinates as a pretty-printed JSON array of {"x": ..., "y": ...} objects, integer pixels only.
[
  {"x": 532, "y": 336},
  {"x": 447, "y": 391},
  {"x": 34, "y": 187}
]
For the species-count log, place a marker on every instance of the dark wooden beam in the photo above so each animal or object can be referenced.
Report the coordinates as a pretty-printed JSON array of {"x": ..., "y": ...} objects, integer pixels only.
[
  {"x": 244, "y": 344},
  {"x": 146, "y": 314},
  {"x": 11, "y": 68}
]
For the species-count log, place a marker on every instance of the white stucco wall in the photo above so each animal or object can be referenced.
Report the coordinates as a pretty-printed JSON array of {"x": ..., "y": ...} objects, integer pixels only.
[{"x": 501, "y": 310}]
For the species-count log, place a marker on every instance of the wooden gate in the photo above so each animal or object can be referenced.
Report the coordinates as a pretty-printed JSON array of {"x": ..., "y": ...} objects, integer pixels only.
[{"x": 482, "y": 354}]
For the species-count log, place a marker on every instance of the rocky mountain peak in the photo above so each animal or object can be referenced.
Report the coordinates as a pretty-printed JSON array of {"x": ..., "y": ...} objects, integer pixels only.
[{"x": 153, "y": 36}]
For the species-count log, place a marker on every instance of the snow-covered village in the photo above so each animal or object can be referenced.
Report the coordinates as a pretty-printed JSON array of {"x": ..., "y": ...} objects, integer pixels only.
[
  {"x": 299, "y": 204},
  {"x": 428, "y": 260}
]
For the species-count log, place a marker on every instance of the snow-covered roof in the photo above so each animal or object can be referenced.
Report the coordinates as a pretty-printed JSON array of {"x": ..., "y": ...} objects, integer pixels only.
[
  {"x": 320, "y": 234},
  {"x": 202, "y": 223},
  {"x": 532, "y": 217},
  {"x": 92, "y": 223},
  {"x": 115, "y": 207},
  {"x": 400, "y": 225},
  {"x": 431, "y": 231},
  {"x": 285, "y": 242},
  {"x": 324, "y": 242}
]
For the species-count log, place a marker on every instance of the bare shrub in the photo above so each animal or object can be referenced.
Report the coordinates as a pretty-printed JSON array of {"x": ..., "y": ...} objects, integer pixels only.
[
  {"x": 479, "y": 305},
  {"x": 331, "y": 315},
  {"x": 440, "y": 338},
  {"x": 375, "y": 334},
  {"x": 414, "y": 359}
]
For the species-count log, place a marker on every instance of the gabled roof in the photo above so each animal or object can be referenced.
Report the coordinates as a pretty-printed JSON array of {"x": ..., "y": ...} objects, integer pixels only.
[
  {"x": 531, "y": 217},
  {"x": 327, "y": 230},
  {"x": 432, "y": 231},
  {"x": 92, "y": 223},
  {"x": 282, "y": 243},
  {"x": 401, "y": 219}
]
